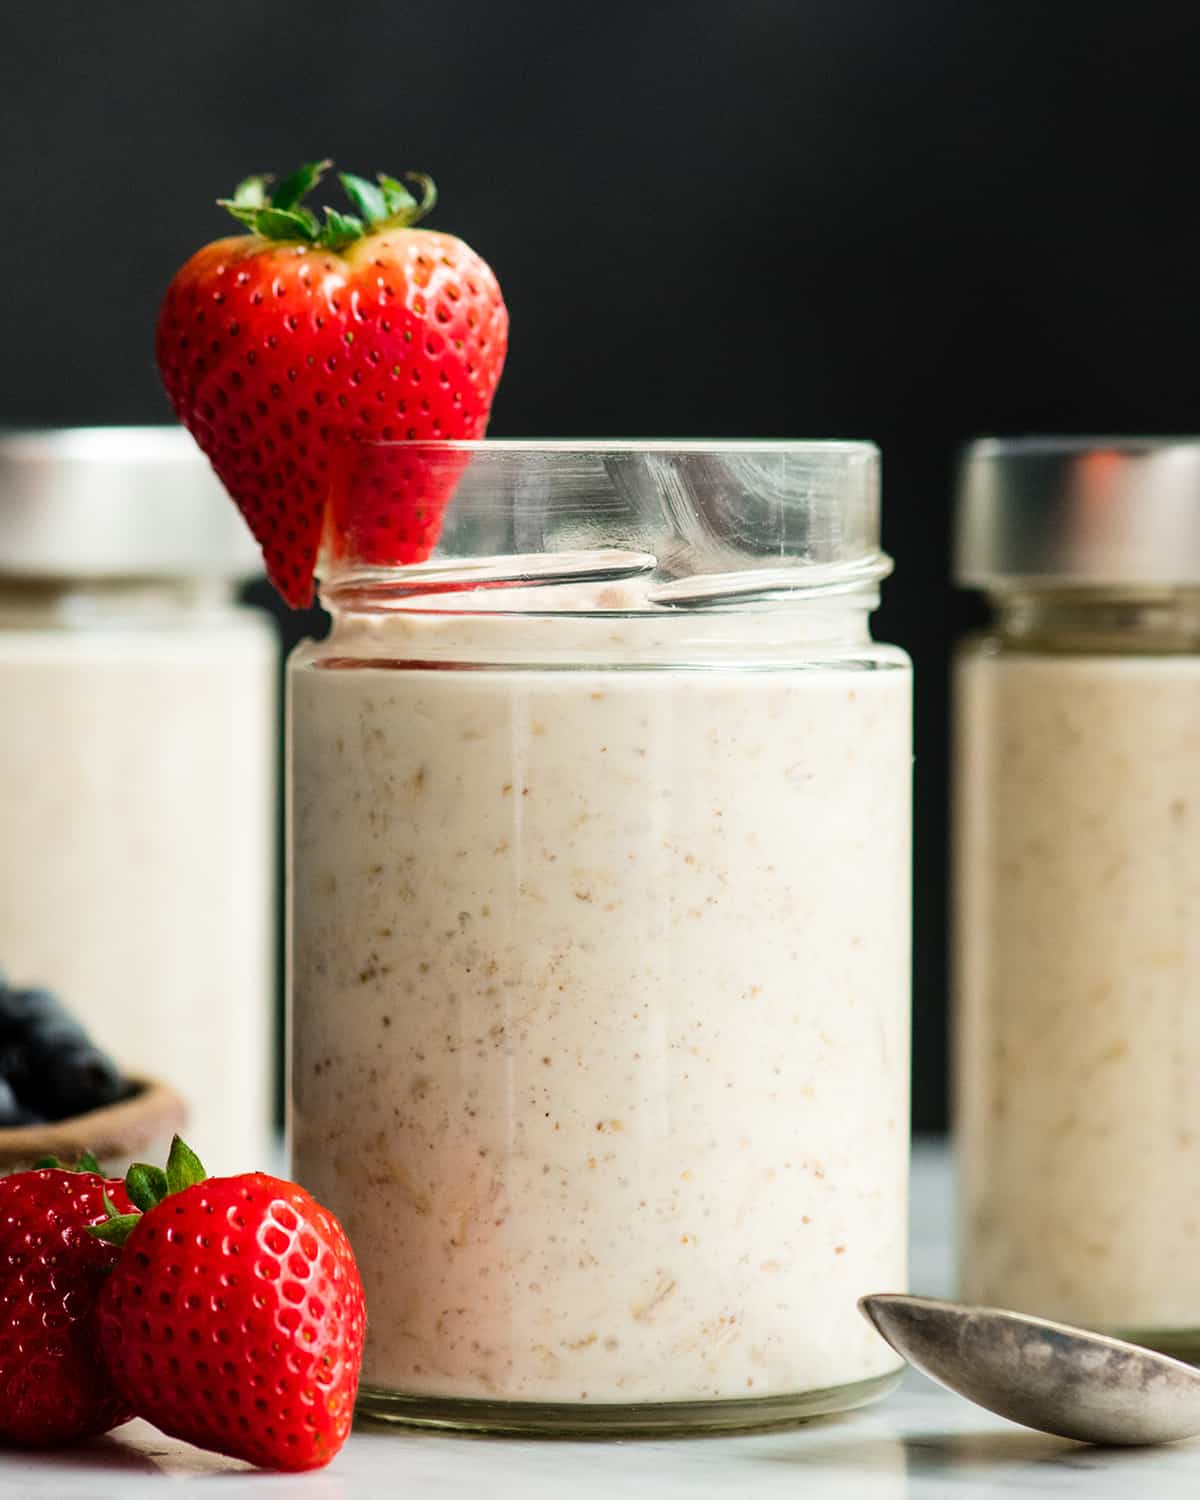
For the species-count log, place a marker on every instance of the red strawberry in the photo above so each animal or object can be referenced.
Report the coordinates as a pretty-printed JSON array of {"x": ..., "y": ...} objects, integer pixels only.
[
  {"x": 278, "y": 346},
  {"x": 234, "y": 1317},
  {"x": 53, "y": 1387}
]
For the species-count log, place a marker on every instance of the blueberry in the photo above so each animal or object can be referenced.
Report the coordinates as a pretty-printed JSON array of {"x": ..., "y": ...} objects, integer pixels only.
[
  {"x": 16, "y": 1066},
  {"x": 47, "y": 1036},
  {"x": 47, "y": 1060},
  {"x": 55, "y": 1081},
  {"x": 77, "y": 1079},
  {"x": 24, "y": 1010},
  {"x": 12, "y": 1111}
]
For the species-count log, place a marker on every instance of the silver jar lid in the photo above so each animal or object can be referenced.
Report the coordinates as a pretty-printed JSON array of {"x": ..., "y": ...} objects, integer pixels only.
[
  {"x": 116, "y": 502},
  {"x": 1079, "y": 511}
]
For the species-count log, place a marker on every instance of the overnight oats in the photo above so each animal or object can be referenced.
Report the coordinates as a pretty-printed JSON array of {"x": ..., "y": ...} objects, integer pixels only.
[
  {"x": 1078, "y": 886},
  {"x": 600, "y": 842}
]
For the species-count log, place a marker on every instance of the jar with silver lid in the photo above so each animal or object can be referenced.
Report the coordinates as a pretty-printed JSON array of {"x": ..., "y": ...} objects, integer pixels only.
[
  {"x": 137, "y": 763},
  {"x": 1077, "y": 884}
]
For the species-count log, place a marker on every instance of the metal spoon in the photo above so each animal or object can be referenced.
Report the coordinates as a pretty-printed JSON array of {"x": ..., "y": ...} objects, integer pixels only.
[{"x": 1047, "y": 1376}]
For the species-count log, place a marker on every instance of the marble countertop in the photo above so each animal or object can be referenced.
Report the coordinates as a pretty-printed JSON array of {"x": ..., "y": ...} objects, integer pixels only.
[{"x": 921, "y": 1442}]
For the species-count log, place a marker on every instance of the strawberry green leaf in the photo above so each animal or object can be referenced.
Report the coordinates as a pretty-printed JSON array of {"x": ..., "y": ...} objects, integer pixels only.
[
  {"x": 184, "y": 1168},
  {"x": 274, "y": 223},
  {"x": 397, "y": 198},
  {"x": 251, "y": 192},
  {"x": 340, "y": 229},
  {"x": 86, "y": 1163},
  {"x": 115, "y": 1231},
  {"x": 294, "y": 189},
  {"x": 370, "y": 201},
  {"x": 427, "y": 188},
  {"x": 282, "y": 216},
  {"x": 244, "y": 213},
  {"x": 403, "y": 209},
  {"x": 146, "y": 1185},
  {"x": 286, "y": 224}
]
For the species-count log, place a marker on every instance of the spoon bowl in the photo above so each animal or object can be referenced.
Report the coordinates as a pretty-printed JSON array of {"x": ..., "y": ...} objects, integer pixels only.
[{"x": 1048, "y": 1376}]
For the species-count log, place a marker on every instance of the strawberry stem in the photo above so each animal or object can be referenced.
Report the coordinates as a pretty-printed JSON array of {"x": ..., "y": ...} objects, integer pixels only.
[
  {"x": 281, "y": 215},
  {"x": 147, "y": 1186}
]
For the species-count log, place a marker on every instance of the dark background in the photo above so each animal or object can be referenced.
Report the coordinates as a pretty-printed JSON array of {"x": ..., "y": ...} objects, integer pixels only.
[{"x": 910, "y": 220}]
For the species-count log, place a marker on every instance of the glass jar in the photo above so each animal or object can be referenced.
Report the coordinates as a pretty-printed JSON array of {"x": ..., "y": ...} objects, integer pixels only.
[
  {"x": 1077, "y": 885},
  {"x": 137, "y": 767},
  {"x": 600, "y": 845}
]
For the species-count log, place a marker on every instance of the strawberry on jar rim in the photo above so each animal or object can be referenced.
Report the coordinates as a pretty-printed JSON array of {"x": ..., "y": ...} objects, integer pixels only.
[
  {"x": 234, "y": 1317},
  {"x": 278, "y": 347},
  {"x": 53, "y": 1386}
]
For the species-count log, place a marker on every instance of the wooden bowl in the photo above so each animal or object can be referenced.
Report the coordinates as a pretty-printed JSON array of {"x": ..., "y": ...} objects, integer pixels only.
[{"x": 136, "y": 1128}]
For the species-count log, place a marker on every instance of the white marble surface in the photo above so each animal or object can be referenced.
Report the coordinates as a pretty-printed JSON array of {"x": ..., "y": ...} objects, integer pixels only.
[{"x": 921, "y": 1442}]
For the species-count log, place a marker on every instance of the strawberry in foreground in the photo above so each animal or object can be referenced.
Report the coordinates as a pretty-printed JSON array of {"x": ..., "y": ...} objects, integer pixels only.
[
  {"x": 53, "y": 1387},
  {"x": 278, "y": 347},
  {"x": 234, "y": 1317}
]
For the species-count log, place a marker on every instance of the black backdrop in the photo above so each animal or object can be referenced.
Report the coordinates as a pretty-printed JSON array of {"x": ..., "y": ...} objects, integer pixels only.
[{"x": 911, "y": 220}]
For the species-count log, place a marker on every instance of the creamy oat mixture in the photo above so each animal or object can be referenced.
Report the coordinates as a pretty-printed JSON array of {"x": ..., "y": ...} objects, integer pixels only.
[
  {"x": 136, "y": 854},
  {"x": 601, "y": 1014},
  {"x": 1078, "y": 932}
]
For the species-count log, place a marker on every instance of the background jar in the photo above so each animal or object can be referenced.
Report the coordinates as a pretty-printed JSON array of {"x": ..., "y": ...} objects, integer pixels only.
[
  {"x": 600, "y": 847},
  {"x": 1077, "y": 884},
  {"x": 137, "y": 767}
]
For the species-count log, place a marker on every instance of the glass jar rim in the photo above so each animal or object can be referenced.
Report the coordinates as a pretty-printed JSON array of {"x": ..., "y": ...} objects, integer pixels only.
[
  {"x": 709, "y": 521},
  {"x": 850, "y": 447}
]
